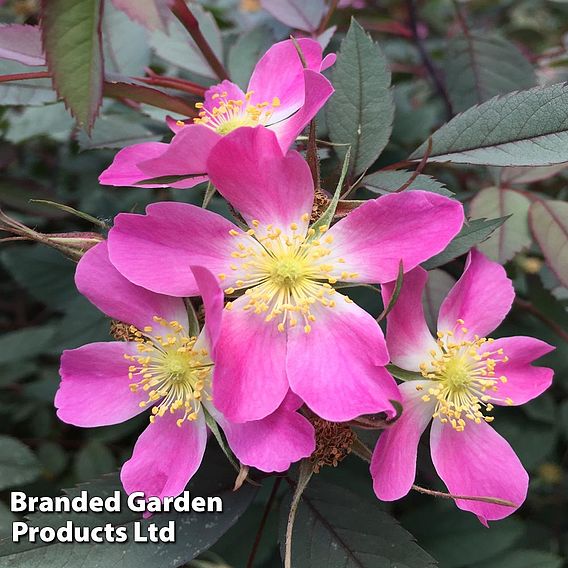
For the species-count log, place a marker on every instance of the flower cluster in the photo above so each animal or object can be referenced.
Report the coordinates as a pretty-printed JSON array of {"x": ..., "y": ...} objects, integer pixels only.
[{"x": 282, "y": 340}]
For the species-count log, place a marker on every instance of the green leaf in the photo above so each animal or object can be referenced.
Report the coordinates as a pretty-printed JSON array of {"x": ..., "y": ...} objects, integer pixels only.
[
  {"x": 528, "y": 128},
  {"x": 361, "y": 110},
  {"x": 479, "y": 66},
  {"x": 30, "y": 92},
  {"x": 339, "y": 529},
  {"x": 245, "y": 53},
  {"x": 94, "y": 460},
  {"x": 403, "y": 374},
  {"x": 115, "y": 132},
  {"x": 194, "y": 532},
  {"x": 524, "y": 559},
  {"x": 48, "y": 120},
  {"x": 72, "y": 40},
  {"x": 385, "y": 182},
  {"x": 178, "y": 48},
  {"x": 24, "y": 344},
  {"x": 511, "y": 237},
  {"x": 437, "y": 287},
  {"x": 475, "y": 232},
  {"x": 549, "y": 225},
  {"x": 18, "y": 464}
]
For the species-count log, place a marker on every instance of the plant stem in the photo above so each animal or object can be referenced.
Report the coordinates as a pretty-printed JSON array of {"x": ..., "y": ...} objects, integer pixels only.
[
  {"x": 267, "y": 509},
  {"x": 174, "y": 83},
  {"x": 426, "y": 60},
  {"x": 25, "y": 76},
  {"x": 190, "y": 23},
  {"x": 528, "y": 307},
  {"x": 326, "y": 19}
]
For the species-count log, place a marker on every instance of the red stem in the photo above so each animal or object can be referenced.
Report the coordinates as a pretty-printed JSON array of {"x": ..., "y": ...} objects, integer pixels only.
[
  {"x": 174, "y": 83},
  {"x": 190, "y": 23},
  {"x": 25, "y": 76}
]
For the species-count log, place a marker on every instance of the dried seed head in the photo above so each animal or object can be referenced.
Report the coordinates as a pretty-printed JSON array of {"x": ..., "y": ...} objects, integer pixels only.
[{"x": 334, "y": 441}]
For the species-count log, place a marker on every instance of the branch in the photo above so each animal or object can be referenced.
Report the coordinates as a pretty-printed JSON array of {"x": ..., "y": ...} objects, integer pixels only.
[
  {"x": 327, "y": 18},
  {"x": 528, "y": 307},
  {"x": 190, "y": 23},
  {"x": 174, "y": 83},
  {"x": 426, "y": 60}
]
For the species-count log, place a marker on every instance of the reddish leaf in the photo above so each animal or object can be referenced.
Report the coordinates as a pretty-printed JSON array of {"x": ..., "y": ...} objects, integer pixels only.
[
  {"x": 21, "y": 43},
  {"x": 152, "y": 14}
]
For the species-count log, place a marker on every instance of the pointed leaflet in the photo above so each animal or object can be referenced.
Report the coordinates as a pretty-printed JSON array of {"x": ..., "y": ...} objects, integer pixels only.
[
  {"x": 152, "y": 14},
  {"x": 389, "y": 181},
  {"x": 297, "y": 14},
  {"x": 549, "y": 225},
  {"x": 479, "y": 66},
  {"x": 528, "y": 128},
  {"x": 335, "y": 527},
  {"x": 361, "y": 110},
  {"x": 72, "y": 41},
  {"x": 511, "y": 237}
]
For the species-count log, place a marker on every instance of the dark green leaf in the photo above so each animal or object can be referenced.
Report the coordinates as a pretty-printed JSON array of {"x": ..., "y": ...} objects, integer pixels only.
[
  {"x": 475, "y": 232},
  {"x": 94, "y": 460},
  {"x": 72, "y": 40},
  {"x": 524, "y": 559},
  {"x": 528, "y": 128},
  {"x": 479, "y": 66},
  {"x": 403, "y": 374},
  {"x": 360, "y": 112},
  {"x": 25, "y": 344},
  {"x": 385, "y": 182},
  {"x": 338, "y": 529},
  {"x": 115, "y": 132},
  {"x": 18, "y": 464}
]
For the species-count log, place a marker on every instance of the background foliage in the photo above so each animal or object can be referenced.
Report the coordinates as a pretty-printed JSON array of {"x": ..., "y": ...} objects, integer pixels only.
[{"x": 506, "y": 159}]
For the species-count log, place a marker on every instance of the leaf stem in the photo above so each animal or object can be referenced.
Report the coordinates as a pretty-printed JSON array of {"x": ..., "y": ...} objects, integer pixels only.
[
  {"x": 174, "y": 83},
  {"x": 25, "y": 76},
  {"x": 528, "y": 307},
  {"x": 190, "y": 23}
]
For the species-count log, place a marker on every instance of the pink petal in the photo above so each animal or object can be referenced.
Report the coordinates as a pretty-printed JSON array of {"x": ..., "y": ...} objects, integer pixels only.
[
  {"x": 488, "y": 467},
  {"x": 393, "y": 466},
  {"x": 279, "y": 73},
  {"x": 318, "y": 90},
  {"x": 186, "y": 154},
  {"x": 156, "y": 250},
  {"x": 482, "y": 297},
  {"x": 338, "y": 367},
  {"x": 328, "y": 61},
  {"x": 249, "y": 380},
  {"x": 273, "y": 443},
  {"x": 98, "y": 280},
  {"x": 213, "y": 302},
  {"x": 411, "y": 226},
  {"x": 524, "y": 382},
  {"x": 250, "y": 170},
  {"x": 94, "y": 389},
  {"x": 233, "y": 92},
  {"x": 409, "y": 340},
  {"x": 124, "y": 170},
  {"x": 165, "y": 457}
]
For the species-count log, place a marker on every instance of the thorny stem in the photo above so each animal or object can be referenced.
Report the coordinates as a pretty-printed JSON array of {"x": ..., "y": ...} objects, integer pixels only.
[
  {"x": 190, "y": 23},
  {"x": 260, "y": 531},
  {"x": 528, "y": 307},
  {"x": 426, "y": 60}
]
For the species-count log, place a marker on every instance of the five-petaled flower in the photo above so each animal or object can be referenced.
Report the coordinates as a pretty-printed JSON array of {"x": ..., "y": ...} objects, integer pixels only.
[
  {"x": 282, "y": 95},
  {"x": 465, "y": 374},
  {"x": 287, "y": 325},
  {"x": 162, "y": 368}
]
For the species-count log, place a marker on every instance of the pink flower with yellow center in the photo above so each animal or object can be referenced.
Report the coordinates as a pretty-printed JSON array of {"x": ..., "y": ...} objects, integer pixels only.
[
  {"x": 287, "y": 325},
  {"x": 163, "y": 369},
  {"x": 465, "y": 374},
  {"x": 282, "y": 95}
]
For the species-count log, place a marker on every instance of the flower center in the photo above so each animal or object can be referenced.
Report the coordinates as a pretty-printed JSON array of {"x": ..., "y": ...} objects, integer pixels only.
[
  {"x": 175, "y": 375},
  {"x": 285, "y": 275},
  {"x": 464, "y": 375},
  {"x": 231, "y": 114}
]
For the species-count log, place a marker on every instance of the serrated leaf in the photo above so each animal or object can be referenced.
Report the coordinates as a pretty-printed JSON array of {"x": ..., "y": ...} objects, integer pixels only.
[
  {"x": 125, "y": 43},
  {"x": 479, "y": 66},
  {"x": 385, "y": 182},
  {"x": 178, "y": 48},
  {"x": 152, "y": 14},
  {"x": 194, "y": 532},
  {"x": 21, "y": 43},
  {"x": 72, "y": 40},
  {"x": 361, "y": 111},
  {"x": 528, "y": 128},
  {"x": 475, "y": 232},
  {"x": 339, "y": 529},
  {"x": 549, "y": 225},
  {"x": 514, "y": 235},
  {"x": 18, "y": 464},
  {"x": 297, "y": 14}
]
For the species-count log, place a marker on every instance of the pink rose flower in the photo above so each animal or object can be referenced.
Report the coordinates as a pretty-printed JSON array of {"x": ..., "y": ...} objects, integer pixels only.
[
  {"x": 161, "y": 368},
  {"x": 281, "y": 95},
  {"x": 288, "y": 326},
  {"x": 465, "y": 374}
]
